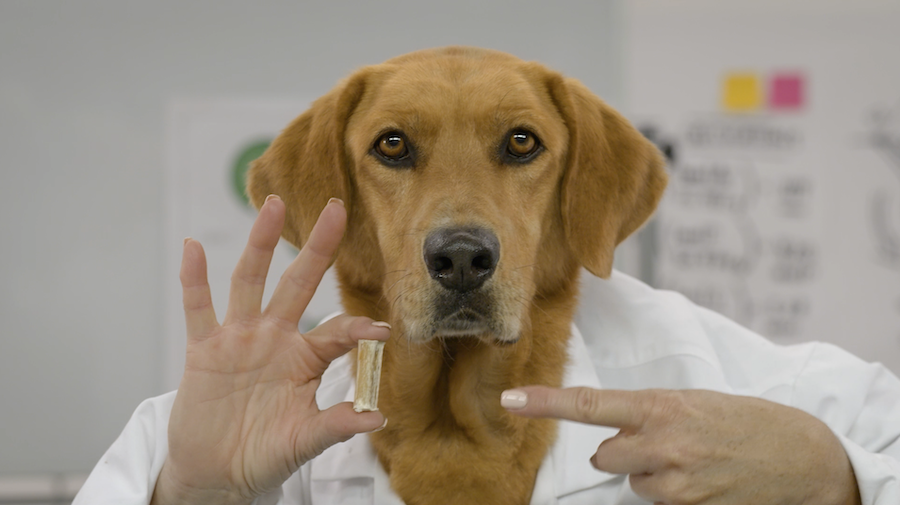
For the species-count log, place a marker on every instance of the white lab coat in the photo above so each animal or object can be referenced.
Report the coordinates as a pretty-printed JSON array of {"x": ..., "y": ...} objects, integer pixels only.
[{"x": 632, "y": 337}]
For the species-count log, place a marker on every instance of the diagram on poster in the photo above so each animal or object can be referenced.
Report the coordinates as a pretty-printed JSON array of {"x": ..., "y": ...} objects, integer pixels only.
[
  {"x": 884, "y": 138},
  {"x": 783, "y": 210}
]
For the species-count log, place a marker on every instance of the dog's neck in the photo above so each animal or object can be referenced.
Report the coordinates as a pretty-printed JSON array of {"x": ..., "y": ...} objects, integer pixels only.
[{"x": 448, "y": 440}]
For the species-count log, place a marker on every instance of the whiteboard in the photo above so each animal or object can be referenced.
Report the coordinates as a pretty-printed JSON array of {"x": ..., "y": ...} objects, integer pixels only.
[{"x": 783, "y": 210}]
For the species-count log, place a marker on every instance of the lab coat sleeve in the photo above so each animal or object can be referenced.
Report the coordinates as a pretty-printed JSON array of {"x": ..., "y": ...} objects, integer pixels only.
[
  {"x": 127, "y": 472},
  {"x": 859, "y": 401}
]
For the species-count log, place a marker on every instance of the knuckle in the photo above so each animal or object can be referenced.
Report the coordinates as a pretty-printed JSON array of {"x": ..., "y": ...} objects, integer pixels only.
[
  {"x": 346, "y": 325},
  {"x": 304, "y": 286},
  {"x": 196, "y": 298},
  {"x": 248, "y": 278},
  {"x": 351, "y": 328},
  {"x": 673, "y": 454},
  {"x": 197, "y": 305},
  {"x": 359, "y": 323},
  {"x": 669, "y": 416},
  {"x": 587, "y": 404},
  {"x": 668, "y": 405}
]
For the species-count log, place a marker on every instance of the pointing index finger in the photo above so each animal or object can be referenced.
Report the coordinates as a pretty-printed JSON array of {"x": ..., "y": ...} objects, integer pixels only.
[{"x": 607, "y": 407}]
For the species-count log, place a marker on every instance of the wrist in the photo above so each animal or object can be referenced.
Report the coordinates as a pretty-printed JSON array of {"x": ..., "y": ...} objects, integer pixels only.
[{"x": 169, "y": 490}]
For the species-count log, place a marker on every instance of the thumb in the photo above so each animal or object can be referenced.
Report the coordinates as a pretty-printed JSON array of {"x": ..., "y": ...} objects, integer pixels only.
[{"x": 334, "y": 425}]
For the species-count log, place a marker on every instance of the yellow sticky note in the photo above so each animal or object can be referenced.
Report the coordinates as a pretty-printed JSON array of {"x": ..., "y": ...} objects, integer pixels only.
[{"x": 741, "y": 92}]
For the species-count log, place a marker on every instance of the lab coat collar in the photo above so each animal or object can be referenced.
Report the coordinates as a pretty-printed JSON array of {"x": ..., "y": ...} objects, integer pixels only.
[{"x": 565, "y": 470}]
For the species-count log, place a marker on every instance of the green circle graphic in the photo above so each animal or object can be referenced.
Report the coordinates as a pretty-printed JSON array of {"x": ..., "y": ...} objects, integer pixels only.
[{"x": 242, "y": 163}]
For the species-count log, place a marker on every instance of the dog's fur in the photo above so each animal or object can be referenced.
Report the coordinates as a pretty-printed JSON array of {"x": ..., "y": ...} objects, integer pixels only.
[{"x": 595, "y": 180}]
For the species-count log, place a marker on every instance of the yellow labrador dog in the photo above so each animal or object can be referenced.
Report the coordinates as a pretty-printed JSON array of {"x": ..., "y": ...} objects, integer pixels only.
[{"x": 477, "y": 185}]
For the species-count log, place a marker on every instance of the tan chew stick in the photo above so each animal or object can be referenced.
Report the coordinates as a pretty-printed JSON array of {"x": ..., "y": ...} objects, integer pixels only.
[{"x": 368, "y": 375}]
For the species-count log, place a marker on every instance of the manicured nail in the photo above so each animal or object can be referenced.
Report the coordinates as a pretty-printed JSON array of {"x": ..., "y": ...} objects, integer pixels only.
[
  {"x": 270, "y": 197},
  {"x": 383, "y": 426},
  {"x": 381, "y": 324},
  {"x": 513, "y": 399},
  {"x": 336, "y": 200}
]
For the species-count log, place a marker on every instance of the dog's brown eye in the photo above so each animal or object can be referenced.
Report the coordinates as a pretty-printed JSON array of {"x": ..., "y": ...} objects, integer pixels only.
[
  {"x": 522, "y": 144},
  {"x": 392, "y": 146}
]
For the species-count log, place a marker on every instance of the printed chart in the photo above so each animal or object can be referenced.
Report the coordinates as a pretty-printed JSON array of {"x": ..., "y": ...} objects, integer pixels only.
[{"x": 783, "y": 211}]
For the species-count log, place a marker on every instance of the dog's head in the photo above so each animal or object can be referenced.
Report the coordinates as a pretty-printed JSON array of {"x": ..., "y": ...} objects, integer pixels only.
[{"x": 475, "y": 182}]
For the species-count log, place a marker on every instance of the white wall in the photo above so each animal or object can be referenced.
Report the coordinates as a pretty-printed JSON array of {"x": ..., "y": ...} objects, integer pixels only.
[{"x": 83, "y": 90}]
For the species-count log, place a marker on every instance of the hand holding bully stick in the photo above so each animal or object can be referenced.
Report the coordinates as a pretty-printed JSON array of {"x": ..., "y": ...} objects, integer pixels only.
[{"x": 245, "y": 416}]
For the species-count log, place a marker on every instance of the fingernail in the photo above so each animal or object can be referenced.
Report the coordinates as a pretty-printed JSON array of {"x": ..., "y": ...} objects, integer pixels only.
[
  {"x": 270, "y": 197},
  {"x": 186, "y": 240},
  {"x": 513, "y": 399},
  {"x": 383, "y": 426},
  {"x": 594, "y": 463},
  {"x": 381, "y": 324},
  {"x": 336, "y": 200}
]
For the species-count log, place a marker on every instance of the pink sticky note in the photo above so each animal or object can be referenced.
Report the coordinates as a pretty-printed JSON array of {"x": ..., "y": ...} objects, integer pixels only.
[{"x": 786, "y": 91}]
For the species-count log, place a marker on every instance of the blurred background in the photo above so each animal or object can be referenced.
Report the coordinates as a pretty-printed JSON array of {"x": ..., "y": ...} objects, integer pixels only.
[{"x": 126, "y": 126}]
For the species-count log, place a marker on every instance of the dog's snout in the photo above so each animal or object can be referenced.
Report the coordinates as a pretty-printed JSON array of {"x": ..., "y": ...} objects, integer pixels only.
[{"x": 461, "y": 259}]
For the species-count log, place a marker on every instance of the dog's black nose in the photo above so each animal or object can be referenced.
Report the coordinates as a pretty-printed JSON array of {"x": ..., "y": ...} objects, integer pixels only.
[{"x": 461, "y": 259}]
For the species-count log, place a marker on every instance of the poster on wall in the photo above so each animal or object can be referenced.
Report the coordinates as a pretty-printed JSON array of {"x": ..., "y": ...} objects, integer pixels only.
[
  {"x": 783, "y": 210},
  {"x": 210, "y": 144}
]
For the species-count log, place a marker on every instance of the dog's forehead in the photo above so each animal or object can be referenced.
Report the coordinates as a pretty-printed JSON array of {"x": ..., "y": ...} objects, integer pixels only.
[{"x": 434, "y": 89}]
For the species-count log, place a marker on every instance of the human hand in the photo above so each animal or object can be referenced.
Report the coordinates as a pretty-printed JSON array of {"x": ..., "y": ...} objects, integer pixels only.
[
  {"x": 693, "y": 447},
  {"x": 245, "y": 416}
]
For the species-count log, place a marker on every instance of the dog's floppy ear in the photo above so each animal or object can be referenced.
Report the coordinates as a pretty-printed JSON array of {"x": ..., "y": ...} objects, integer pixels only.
[
  {"x": 614, "y": 176},
  {"x": 307, "y": 163}
]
